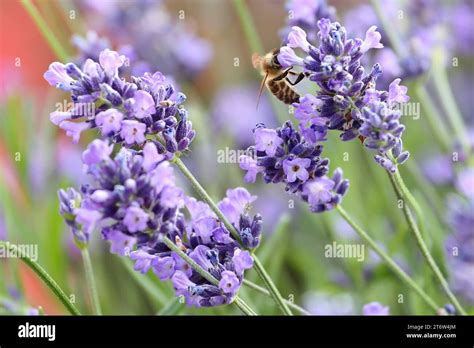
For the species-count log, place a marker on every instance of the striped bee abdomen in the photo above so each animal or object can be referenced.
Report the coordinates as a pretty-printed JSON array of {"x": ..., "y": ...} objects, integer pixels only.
[{"x": 283, "y": 91}]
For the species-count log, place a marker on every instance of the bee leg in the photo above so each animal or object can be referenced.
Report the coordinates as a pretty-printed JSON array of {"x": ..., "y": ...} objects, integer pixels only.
[
  {"x": 300, "y": 77},
  {"x": 283, "y": 74}
]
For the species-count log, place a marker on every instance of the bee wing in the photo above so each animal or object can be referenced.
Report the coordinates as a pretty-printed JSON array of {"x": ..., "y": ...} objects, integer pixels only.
[
  {"x": 256, "y": 60},
  {"x": 261, "y": 89}
]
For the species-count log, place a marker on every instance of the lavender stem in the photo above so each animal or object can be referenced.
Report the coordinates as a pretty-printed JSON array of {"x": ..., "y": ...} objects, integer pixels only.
[
  {"x": 390, "y": 262},
  {"x": 399, "y": 188},
  {"x": 258, "y": 266},
  {"x": 206, "y": 275},
  {"x": 267, "y": 293},
  {"x": 47, "y": 279},
  {"x": 45, "y": 30},
  {"x": 91, "y": 281}
]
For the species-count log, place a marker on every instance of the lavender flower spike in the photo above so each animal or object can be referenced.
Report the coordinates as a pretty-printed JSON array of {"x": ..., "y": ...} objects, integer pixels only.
[
  {"x": 375, "y": 308},
  {"x": 126, "y": 112},
  {"x": 132, "y": 198},
  {"x": 296, "y": 162},
  {"x": 347, "y": 100}
]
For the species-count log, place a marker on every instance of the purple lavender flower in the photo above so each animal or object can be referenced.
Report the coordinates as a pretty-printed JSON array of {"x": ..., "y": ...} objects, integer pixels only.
[
  {"x": 121, "y": 196},
  {"x": 237, "y": 103},
  {"x": 323, "y": 193},
  {"x": 438, "y": 169},
  {"x": 306, "y": 13},
  {"x": 135, "y": 219},
  {"x": 465, "y": 182},
  {"x": 132, "y": 198},
  {"x": 125, "y": 112},
  {"x": 347, "y": 99},
  {"x": 120, "y": 243},
  {"x": 96, "y": 152},
  {"x": 236, "y": 202},
  {"x": 164, "y": 267},
  {"x": 461, "y": 18},
  {"x": 372, "y": 40},
  {"x": 14, "y": 304},
  {"x": 296, "y": 169},
  {"x": 242, "y": 260},
  {"x": 109, "y": 121},
  {"x": 229, "y": 282},
  {"x": 58, "y": 77},
  {"x": 397, "y": 93},
  {"x": 321, "y": 303},
  {"x": 375, "y": 308},
  {"x": 267, "y": 140},
  {"x": 295, "y": 162}
]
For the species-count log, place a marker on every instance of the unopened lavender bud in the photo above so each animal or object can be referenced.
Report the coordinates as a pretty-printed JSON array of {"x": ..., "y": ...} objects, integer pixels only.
[{"x": 403, "y": 157}]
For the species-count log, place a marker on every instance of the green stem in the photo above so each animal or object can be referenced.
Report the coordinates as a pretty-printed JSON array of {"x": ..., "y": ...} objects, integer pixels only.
[
  {"x": 445, "y": 94},
  {"x": 248, "y": 25},
  {"x": 151, "y": 288},
  {"x": 433, "y": 118},
  {"x": 45, "y": 277},
  {"x": 391, "y": 264},
  {"x": 206, "y": 275},
  {"x": 45, "y": 30},
  {"x": 267, "y": 280},
  {"x": 422, "y": 245},
  {"x": 91, "y": 281},
  {"x": 431, "y": 195},
  {"x": 406, "y": 194},
  {"x": 172, "y": 308},
  {"x": 389, "y": 29},
  {"x": 258, "y": 266},
  {"x": 265, "y": 292},
  {"x": 253, "y": 39}
]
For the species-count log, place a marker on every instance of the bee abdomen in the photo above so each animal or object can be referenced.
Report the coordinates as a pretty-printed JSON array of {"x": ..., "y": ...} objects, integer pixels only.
[{"x": 283, "y": 92}]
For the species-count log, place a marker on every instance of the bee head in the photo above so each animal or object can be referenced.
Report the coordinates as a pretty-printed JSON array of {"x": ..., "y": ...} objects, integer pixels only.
[{"x": 274, "y": 61}]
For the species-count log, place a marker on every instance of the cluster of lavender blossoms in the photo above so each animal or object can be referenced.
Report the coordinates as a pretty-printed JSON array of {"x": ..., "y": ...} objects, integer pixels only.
[
  {"x": 132, "y": 198},
  {"x": 347, "y": 99},
  {"x": 160, "y": 38},
  {"x": 284, "y": 155},
  {"x": 305, "y": 14},
  {"x": 124, "y": 112}
]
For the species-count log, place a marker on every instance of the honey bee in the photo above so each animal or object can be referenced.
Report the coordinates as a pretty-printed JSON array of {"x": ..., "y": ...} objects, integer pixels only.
[{"x": 276, "y": 78}]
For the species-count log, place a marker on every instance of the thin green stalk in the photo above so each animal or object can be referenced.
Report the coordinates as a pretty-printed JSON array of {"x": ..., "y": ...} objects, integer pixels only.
[
  {"x": 45, "y": 30},
  {"x": 265, "y": 292},
  {"x": 46, "y": 278},
  {"x": 258, "y": 266},
  {"x": 445, "y": 94},
  {"x": 248, "y": 25},
  {"x": 270, "y": 285},
  {"x": 255, "y": 45},
  {"x": 408, "y": 197},
  {"x": 431, "y": 195},
  {"x": 206, "y": 275},
  {"x": 91, "y": 281},
  {"x": 433, "y": 118},
  {"x": 155, "y": 293},
  {"x": 393, "y": 36},
  {"x": 390, "y": 263},
  {"x": 172, "y": 308},
  {"x": 422, "y": 245}
]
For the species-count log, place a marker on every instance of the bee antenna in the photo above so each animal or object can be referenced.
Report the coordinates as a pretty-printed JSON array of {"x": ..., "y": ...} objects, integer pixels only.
[{"x": 261, "y": 89}]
